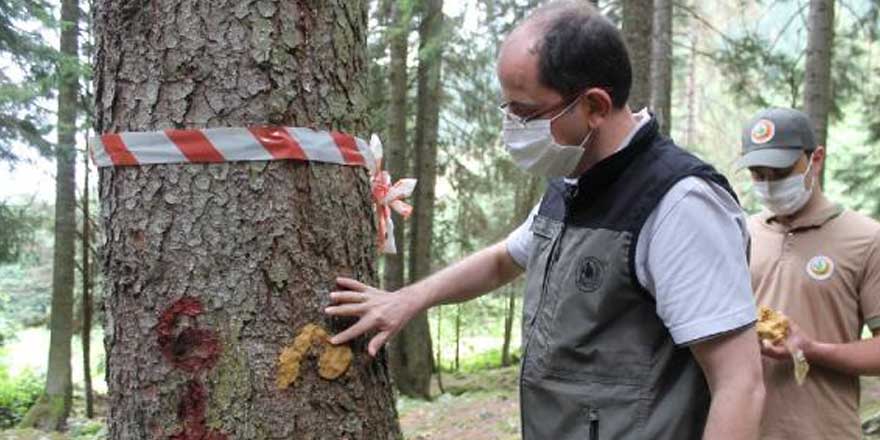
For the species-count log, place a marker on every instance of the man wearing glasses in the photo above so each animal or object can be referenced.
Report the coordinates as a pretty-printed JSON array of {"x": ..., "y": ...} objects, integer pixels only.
[
  {"x": 819, "y": 264},
  {"x": 638, "y": 312}
]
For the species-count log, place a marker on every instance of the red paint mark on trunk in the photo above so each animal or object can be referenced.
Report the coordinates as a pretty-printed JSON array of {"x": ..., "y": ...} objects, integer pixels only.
[
  {"x": 192, "y": 350},
  {"x": 187, "y": 348},
  {"x": 191, "y": 411}
]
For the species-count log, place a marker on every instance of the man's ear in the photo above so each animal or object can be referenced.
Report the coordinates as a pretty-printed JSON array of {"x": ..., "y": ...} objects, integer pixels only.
[
  {"x": 818, "y": 159},
  {"x": 599, "y": 104}
]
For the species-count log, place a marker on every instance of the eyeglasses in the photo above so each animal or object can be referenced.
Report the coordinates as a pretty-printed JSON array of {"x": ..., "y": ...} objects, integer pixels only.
[{"x": 563, "y": 104}]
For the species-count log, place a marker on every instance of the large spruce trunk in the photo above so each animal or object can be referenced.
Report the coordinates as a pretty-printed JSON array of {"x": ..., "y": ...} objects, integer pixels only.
[{"x": 213, "y": 270}]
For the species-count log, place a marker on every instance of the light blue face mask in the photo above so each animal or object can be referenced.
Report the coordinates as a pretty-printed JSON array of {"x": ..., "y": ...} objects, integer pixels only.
[
  {"x": 534, "y": 150},
  {"x": 785, "y": 196}
]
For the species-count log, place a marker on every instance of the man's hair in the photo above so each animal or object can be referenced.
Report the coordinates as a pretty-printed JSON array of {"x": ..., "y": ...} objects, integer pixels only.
[{"x": 580, "y": 48}]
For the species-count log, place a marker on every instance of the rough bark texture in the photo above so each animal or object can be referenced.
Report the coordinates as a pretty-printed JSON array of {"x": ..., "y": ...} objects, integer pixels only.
[
  {"x": 413, "y": 344},
  {"x": 817, "y": 79},
  {"x": 638, "y": 18},
  {"x": 661, "y": 64},
  {"x": 51, "y": 410},
  {"x": 213, "y": 270}
]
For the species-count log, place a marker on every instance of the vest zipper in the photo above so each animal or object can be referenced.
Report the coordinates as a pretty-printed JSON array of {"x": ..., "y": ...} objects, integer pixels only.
[
  {"x": 571, "y": 193},
  {"x": 594, "y": 424}
]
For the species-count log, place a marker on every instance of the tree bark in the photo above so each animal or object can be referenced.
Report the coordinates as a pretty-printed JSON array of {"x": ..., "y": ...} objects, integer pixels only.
[
  {"x": 817, "y": 78},
  {"x": 638, "y": 18},
  {"x": 51, "y": 410},
  {"x": 413, "y": 377},
  {"x": 215, "y": 270},
  {"x": 661, "y": 65}
]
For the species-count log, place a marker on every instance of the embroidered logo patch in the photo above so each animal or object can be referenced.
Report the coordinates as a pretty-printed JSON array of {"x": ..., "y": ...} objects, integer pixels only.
[
  {"x": 820, "y": 268},
  {"x": 591, "y": 274},
  {"x": 763, "y": 131}
]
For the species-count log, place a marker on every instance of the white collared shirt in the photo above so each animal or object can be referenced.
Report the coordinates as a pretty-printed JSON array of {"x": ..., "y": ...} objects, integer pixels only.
[{"x": 691, "y": 255}]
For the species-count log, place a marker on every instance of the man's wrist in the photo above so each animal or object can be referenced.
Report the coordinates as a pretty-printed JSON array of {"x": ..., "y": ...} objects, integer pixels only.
[
  {"x": 417, "y": 299},
  {"x": 816, "y": 351}
]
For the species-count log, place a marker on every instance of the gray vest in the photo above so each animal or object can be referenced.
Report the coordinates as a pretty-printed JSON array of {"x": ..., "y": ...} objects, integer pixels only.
[{"x": 598, "y": 363}]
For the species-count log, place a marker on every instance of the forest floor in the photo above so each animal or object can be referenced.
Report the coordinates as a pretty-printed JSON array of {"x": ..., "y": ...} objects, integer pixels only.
[{"x": 483, "y": 405}]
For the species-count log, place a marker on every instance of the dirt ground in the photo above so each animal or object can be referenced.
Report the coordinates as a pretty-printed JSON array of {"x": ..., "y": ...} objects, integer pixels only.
[{"x": 483, "y": 405}]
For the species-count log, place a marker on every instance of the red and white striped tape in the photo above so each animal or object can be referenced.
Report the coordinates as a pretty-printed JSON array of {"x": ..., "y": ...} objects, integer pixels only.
[{"x": 214, "y": 145}]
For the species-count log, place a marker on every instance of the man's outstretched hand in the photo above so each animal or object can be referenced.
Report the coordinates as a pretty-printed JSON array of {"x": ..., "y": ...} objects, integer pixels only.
[{"x": 383, "y": 312}]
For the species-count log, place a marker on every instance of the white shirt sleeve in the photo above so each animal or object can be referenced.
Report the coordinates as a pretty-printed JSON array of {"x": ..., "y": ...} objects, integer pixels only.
[
  {"x": 519, "y": 242},
  {"x": 691, "y": 255}
]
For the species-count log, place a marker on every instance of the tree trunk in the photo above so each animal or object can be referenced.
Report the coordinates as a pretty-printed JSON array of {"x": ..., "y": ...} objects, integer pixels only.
[
  {"x": 395, "y": 143},
  {"x": 638, "y": 18},
  {"x": 661, "y": 65},
  {"x": 438, "y": 366},
  {"x": 86, "y": 335},
  {"x": 508, "y": 327},
  {"x": 214, "y": 270},
  {"x": 51, "y": 410},
  {"x": 457, "y": 337},
  {"x": 414, "y": 342},
  {"x": 817, "y": 79},
  {"x": 691, "y": 92},
  {"x": 396, "y": 146}
]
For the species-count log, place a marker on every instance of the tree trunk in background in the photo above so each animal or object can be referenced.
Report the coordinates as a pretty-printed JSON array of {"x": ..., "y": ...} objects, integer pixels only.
[
  {"x": 395, "y": 144},
  {"x": 638, "y": 18},
  {"x": 414, "y": 342},
  {"x": 508, "y": 327},
  {"x": 86, "y": 336},
  {"x": 396, "y": 154},
  {"x": 817, "y": 79},
  {"x": 661, "y": 65},
  {"x": 214, "y": 269},
  {"x": 691, "y": 93},
  {"x": 457, "y": 337},
  {"x": 51, "y": 410}
]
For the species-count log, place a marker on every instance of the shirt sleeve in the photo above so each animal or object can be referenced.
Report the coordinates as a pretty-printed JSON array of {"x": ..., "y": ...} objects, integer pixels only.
[
  {"x": 519, "y": 242},
  {"x": 695, "y": 263},
  {"x": 869, "y": 291}
]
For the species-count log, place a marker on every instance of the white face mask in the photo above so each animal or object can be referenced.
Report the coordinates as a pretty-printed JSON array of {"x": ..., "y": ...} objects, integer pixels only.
[
  {"x": 535, "y": 151},
  {"x": 785, "y": 196}
]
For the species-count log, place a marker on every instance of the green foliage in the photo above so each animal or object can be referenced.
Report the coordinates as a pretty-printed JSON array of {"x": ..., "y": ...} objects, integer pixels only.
[
  {"x": 28, "y": 80},
  {"x": 25, "y": 286},
  {"x": 88, "y": 430},
  {"x": 18, "y": 227},
  {"x": 17, "y": 395}
]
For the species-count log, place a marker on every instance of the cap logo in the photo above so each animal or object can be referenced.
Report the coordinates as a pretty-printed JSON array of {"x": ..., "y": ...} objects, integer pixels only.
[
  {"x": 820, "y": 268},
  {"x": 763, "y": 131}
]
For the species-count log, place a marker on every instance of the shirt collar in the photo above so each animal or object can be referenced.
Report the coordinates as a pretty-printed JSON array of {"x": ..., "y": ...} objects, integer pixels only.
[{"x": 642, "y": 118}]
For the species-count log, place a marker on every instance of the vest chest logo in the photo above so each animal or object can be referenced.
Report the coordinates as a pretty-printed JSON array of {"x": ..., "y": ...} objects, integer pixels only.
[
  {"x": 591, "y": 274},
  {"x": 820, "y": 268}
]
